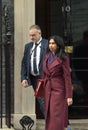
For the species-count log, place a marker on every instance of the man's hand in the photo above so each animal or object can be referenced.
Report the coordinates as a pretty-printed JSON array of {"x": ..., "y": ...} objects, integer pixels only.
[
  {"x": 69, "y": 101},
  {"x": 25, "y": 83}
]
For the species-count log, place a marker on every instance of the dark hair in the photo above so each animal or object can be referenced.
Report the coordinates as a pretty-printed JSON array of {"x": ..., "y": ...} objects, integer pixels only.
[{"x": 60, "y": 43}]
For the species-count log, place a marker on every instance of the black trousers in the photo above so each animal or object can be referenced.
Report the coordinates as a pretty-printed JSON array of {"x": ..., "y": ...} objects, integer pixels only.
[{"x": 34, "y": 80}]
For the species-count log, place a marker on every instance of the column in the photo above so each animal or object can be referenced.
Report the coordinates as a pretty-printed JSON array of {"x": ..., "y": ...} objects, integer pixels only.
[{"x": 24, "y": 100}]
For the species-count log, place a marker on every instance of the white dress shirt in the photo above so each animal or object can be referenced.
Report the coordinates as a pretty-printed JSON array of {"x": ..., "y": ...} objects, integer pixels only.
[{"x": 38, "y": 49}]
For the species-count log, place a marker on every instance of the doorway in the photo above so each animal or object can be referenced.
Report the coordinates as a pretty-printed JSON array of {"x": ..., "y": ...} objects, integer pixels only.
[{"x": 69, "y": 19}]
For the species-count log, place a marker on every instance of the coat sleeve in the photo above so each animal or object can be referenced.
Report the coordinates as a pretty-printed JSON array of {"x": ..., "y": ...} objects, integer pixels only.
[
  {"x": 67, "y": 78},
  {"x": 24, "y": 65}
]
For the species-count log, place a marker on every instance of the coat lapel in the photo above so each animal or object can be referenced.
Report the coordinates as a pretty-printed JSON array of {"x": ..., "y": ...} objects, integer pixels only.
[{"x": 56, "y": 61}]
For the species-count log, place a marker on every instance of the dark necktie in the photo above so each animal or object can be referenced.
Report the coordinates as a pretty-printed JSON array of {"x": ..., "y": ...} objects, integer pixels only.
[{"x": 35, "y": 60}]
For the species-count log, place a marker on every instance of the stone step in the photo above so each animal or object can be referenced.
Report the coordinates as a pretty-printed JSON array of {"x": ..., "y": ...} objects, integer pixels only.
[
  {"x": 81, "y": 124},
  {"x": 40, "y": 124}
]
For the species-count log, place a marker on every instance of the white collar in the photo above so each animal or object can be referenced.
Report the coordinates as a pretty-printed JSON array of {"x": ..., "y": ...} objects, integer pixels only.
[{"x": 39, "y": 40}]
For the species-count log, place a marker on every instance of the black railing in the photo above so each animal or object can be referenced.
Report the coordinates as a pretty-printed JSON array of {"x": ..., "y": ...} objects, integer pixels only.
[
  {"x": 0, "y": 86},
  {"x": 6, "y": 69},
  {"x": 6, "y": 83},
  {"x": 0, "y": 64}
]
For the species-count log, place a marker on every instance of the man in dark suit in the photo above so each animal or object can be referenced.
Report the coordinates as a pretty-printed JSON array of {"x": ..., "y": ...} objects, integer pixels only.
[{"x": 32, "y": 62}]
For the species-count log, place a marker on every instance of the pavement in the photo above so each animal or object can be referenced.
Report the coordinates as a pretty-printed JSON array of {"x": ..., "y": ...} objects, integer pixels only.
[{"x": 79, "y": 124}]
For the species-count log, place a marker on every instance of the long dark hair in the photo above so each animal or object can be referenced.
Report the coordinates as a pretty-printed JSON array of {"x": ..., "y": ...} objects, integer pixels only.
[{"x": 61, "y": 47}]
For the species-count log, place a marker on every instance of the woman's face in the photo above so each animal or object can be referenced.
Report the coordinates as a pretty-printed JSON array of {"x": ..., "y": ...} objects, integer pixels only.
[{"x": 53, "y": 46}]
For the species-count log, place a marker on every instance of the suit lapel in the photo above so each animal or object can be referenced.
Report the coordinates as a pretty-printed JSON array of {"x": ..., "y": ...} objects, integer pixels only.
[
  {"x": 42, "y": 52},
  {"x": 29, "y": 51}
]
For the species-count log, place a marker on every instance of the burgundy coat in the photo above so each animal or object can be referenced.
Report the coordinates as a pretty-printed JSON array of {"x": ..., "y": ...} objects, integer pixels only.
[{"x": 58, "y": 88}]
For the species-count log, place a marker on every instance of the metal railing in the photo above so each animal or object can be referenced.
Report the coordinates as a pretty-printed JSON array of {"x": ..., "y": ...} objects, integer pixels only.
[{"x": 6, "y": 68}]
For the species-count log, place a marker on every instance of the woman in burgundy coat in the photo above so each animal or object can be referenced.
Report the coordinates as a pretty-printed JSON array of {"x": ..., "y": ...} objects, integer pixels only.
[{"x": 58, "y": 86}]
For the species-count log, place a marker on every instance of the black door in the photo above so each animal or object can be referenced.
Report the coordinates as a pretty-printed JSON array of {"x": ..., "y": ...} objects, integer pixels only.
[
  {"x": 69, "y": 19},
  {"x": 79, "y": 59}
]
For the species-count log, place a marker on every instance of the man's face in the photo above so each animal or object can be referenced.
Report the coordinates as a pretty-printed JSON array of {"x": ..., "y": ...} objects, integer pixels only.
[{"x": 35, "y": 35}]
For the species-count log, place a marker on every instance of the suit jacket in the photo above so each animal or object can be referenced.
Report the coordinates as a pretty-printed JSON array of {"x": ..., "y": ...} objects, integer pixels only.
[{"x": 26, "y": 61}]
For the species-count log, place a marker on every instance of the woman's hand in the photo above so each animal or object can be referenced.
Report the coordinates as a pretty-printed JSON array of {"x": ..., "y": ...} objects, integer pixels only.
[{"x": 69, "y": 101}]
